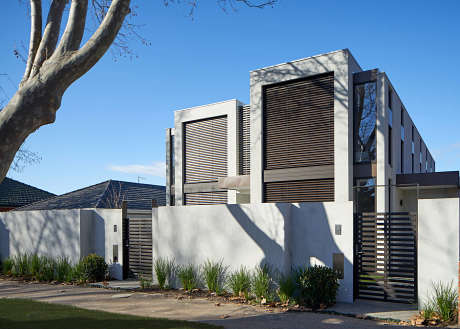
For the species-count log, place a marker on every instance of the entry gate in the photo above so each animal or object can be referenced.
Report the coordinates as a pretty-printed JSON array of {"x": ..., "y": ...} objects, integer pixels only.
[
  {"x": 386, "y": 256},
  {"x": 137, "y": 243}
]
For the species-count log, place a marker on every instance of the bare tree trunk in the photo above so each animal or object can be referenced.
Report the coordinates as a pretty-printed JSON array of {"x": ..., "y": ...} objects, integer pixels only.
[{"x": 54, "y": 69}]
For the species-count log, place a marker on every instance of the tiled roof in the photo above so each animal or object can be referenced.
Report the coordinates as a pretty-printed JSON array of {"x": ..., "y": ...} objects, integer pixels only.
[
  {"x": 16, "y": 194},
  {"x": 108, "y": 194}
]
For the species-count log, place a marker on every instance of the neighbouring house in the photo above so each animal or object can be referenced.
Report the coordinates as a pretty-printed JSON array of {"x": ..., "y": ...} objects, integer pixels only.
[
  {"x": 88, "y": 220},
  {"x": 324, "y": 166},
  {"x": 14, "y": 194}
]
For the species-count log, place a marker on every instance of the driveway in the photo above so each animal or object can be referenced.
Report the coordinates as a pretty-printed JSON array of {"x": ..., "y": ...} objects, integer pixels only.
[{"x": 232, "y": 316}]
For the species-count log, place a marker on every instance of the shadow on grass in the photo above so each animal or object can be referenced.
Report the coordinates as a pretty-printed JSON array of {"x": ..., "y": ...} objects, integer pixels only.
[{"x": 22, "y": 314}]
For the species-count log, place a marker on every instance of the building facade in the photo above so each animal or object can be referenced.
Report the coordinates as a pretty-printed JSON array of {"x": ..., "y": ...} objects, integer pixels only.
[{"x": 319, "y": 129}]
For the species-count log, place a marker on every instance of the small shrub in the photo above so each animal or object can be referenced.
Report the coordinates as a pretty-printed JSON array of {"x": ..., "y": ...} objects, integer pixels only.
[
  {"x": 215, "y": 274},
  {"x": 287, "y": 286},
  {"x": 145, "y": 283},
  {"x": 63, "y": 272},
  {"x": 262, "y": 283},
  {"x": 78, "y": 274},
  {"x": 239, "y": 282},
  {"x": 47, "y": 267},
  {"x": 165, "y": 272},
  {"x": 92, "y": 268},
  {"x": 189, "y": 276},
  {"x": 318, "y": 286},
  {"x": 7, "y": 266},
  {"x": 444, "y": 301}
]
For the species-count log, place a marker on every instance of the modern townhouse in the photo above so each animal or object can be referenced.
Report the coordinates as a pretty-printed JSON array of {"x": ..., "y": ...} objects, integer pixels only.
[{"x": 322, "y": 141}]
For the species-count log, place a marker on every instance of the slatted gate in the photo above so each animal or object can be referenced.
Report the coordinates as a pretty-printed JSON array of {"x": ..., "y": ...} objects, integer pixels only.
[
  {"x": 386, "y": 256},
  {"x": 137, "y": 243}
]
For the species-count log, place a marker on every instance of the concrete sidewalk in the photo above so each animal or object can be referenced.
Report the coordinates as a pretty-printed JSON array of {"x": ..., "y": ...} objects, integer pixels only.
[
  {"x": 232, "y": 316},
  {"x": 376, "y": 310}
]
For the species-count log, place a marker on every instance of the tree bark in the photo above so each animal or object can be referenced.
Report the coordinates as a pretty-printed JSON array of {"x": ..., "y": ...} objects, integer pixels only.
[{"x": 39, "y": 95}]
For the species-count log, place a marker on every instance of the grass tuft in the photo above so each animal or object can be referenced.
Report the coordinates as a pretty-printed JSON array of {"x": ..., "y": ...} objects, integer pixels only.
[
  {"x": 165, "y": 270},
  {"x": 215, "y": 275},
  {"x": 239, "y": 282},
  {"x": 189, "y": 276}
]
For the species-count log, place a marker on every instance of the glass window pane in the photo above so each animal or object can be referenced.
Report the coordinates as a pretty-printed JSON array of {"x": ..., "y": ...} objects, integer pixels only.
[
  {"x": 365, "y": 195},
  {"x": 365, "y": 115}
]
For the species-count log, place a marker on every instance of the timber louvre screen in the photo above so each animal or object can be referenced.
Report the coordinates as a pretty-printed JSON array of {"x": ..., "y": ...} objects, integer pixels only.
[
  {"x": 244, "y": 140},
  {"x": 205, "y": 157},
  {"x": 299, "y": 133},
  {"x": 386, "y": 256},
  {"x": 137, "y": 236}
]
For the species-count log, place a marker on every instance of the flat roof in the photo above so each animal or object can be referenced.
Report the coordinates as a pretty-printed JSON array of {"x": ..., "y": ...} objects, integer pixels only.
[{"x": 442, "y": 179}]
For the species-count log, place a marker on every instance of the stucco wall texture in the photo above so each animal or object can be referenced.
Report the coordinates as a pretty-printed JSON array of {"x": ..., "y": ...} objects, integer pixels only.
[
  {"x": 280, "y": 234},
  {"x": 72, "y": 233}
]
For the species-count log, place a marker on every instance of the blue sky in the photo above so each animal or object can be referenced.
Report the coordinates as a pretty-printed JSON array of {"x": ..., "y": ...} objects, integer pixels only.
[{"x": 112, "y": 121}]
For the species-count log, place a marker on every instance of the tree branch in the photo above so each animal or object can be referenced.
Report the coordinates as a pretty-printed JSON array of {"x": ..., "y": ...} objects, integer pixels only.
[
  {"x": 50, "y": 35},
  {"x": 35, "y": 34},
  {"x": 73, "y": 33},
  {"x": 98, "y": 44}
]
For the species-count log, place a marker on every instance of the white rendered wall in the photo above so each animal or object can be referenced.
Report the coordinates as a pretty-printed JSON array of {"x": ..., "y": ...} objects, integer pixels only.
[
  {"x": 280, "y": 234},
  {"x": 438, "y": 244},
  {"x": 313, "y": 235},
  {"x": 53, "y": 233},
  {"x": 71, "y": 233},
  {"x": 239, "y": 234},
  {"x": 338, "y": 62},
  {"x": 104, "y": 238}
]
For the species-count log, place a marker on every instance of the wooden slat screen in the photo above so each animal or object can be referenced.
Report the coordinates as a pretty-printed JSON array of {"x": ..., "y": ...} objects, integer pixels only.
[
  {"x": 299, "y": 123},
  {"x": 140, "y": 246},
  {"x": 205, "y": 152},
  {"x": 244, "y": 139},
  {"x": 205, "y": 198},
  {"x": 314, "y": 190},
  {"x": 299, "y": 132}
]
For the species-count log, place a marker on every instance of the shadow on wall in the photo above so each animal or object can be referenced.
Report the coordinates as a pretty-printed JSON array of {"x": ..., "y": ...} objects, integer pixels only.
[
  {"x": 4, "y": 241},
  {"x": 309, "y": 238},
  {"x": 98, "y": 234},
  {"x": 53, "y": 233}
]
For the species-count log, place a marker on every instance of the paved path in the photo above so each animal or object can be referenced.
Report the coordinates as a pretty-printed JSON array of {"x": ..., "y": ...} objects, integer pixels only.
[{"x": 232, "y": 316}]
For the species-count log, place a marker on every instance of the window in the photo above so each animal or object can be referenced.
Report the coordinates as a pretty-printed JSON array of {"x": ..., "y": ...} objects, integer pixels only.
[
  {"x": 413, "y": 149},
  {"x": 402, "y": 157},
  {"x": 390, "y": 97},
  {"x": 390, "y": 145},
  {"x": 403, "y": 135},
  {"x": 426, "y": 160},
  {"x": 365, "y": 115},
  {"x": 365, "y": 195}
]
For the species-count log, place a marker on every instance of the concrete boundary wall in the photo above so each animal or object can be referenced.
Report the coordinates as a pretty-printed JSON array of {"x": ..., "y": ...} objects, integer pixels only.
[
  {"x": 53, "y": 233},
  {"x": 280, "y": 234},
  {"x": 438, "y": 244},
  {"x": 72, "y": 233}
]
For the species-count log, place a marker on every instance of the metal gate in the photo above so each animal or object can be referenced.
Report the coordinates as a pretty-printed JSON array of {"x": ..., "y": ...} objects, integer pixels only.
[
  {"x": 137, "y": 243},
  {"x": 386, "y": 256}
]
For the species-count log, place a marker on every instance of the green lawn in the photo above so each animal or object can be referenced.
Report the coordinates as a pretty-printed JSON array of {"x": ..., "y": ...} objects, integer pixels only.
[{"x": 23, "y": 313}]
